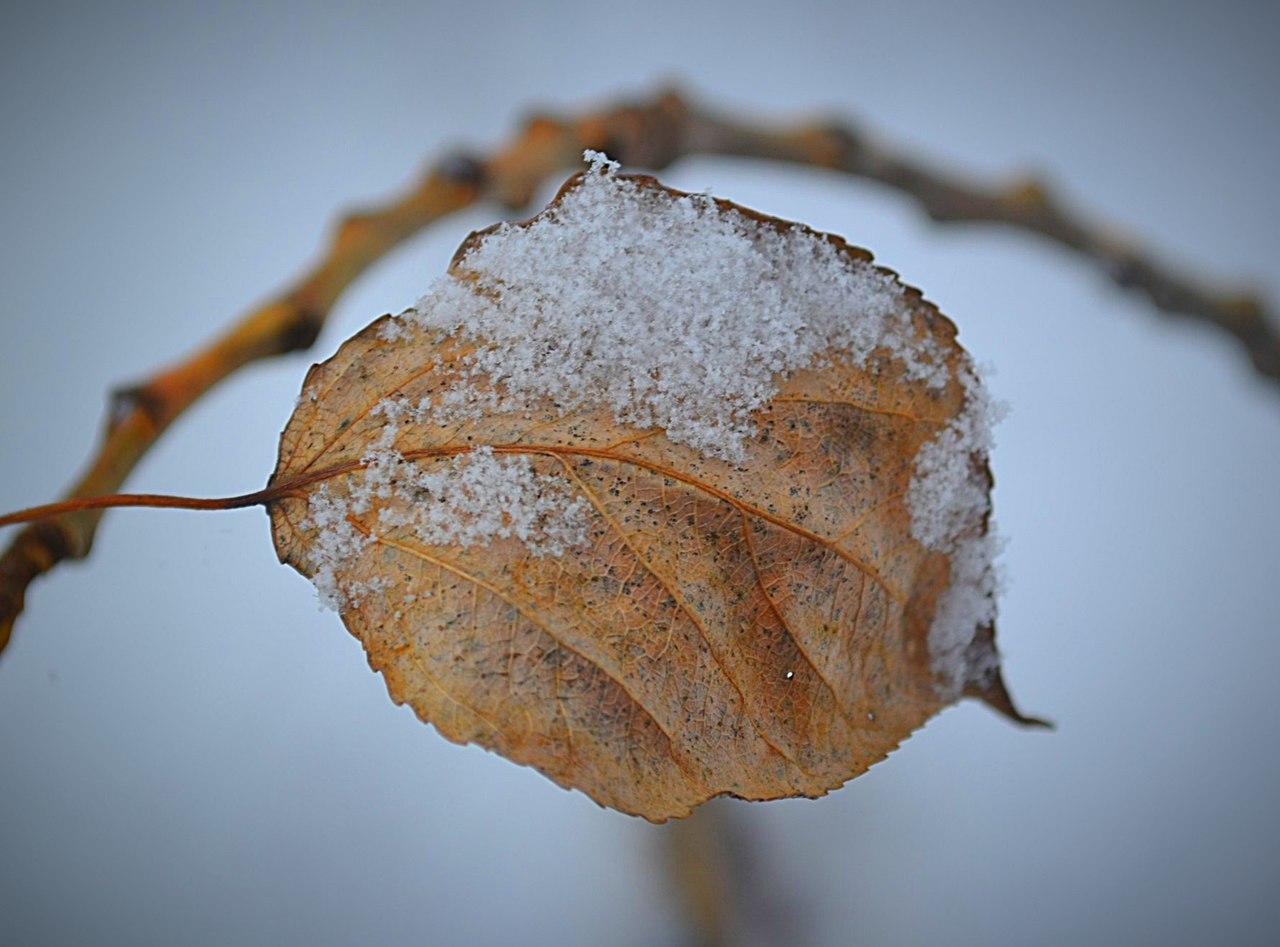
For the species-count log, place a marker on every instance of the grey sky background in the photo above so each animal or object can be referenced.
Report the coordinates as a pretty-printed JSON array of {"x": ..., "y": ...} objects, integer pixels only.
[{"x": 193, "y": 753}]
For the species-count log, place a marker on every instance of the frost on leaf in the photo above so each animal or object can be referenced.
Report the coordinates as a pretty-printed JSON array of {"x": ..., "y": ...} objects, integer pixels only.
[{"x": 659, "y": 495}]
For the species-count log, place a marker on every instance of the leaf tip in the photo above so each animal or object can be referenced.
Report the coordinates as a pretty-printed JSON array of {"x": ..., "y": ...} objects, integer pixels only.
[{"x": 995, "y": 695}]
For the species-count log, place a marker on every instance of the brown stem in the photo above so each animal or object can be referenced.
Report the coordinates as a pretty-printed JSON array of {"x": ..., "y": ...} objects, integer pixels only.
[
  {"x": 161, "y": 501},
  {"x": 651, "y": 134}
]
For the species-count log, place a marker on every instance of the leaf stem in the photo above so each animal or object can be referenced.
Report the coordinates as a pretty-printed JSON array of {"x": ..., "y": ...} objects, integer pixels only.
[{"x": 154, "y": 500}]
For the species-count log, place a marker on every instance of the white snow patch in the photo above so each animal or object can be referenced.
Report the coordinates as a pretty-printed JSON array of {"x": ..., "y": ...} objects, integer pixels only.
[
  {"x": 950, "y": 512},
  {"x": 335, "y": 543},
  {"x": 470, "y": 499},
  {"x": 478, "y": 497},
  {"x": 670, "y": 310}
]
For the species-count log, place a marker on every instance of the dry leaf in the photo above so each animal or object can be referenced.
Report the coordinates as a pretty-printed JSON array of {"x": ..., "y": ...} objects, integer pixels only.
[{"x": 627, "y": 612}]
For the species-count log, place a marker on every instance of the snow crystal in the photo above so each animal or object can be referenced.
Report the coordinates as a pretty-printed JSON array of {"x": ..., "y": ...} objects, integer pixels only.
[
  {"x": 950, "y": 512},
  {"x": 670, "y": 310},
  {"x": 600, "y": 162}
]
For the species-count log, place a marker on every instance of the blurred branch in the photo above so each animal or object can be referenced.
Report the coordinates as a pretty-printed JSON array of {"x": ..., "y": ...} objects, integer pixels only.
[
  {"x": 729, "y": 895},
  {"x": 651, "y": 134},
  {"x": 1024, "y": 204}
]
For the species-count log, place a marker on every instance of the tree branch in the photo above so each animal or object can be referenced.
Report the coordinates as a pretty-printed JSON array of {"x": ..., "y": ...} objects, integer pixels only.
[
  {"x": 651, "y": 134},
  {"x": 1025, "y": 205}
]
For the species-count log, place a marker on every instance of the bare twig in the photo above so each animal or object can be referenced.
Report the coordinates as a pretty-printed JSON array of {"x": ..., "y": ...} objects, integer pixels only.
[{"x": 650, "y": 134}]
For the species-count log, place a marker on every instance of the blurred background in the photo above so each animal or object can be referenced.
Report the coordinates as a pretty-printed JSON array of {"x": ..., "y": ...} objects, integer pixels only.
[{"x": 193, "y": 753}]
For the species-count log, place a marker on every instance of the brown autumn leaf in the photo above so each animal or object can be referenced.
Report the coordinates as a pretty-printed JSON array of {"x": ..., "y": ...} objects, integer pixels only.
[{"x": 753, "y": 622}]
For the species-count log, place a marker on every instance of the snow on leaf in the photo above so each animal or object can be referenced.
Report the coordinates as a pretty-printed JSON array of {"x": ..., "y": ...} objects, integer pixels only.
[{"x": 659, "y": 495}]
